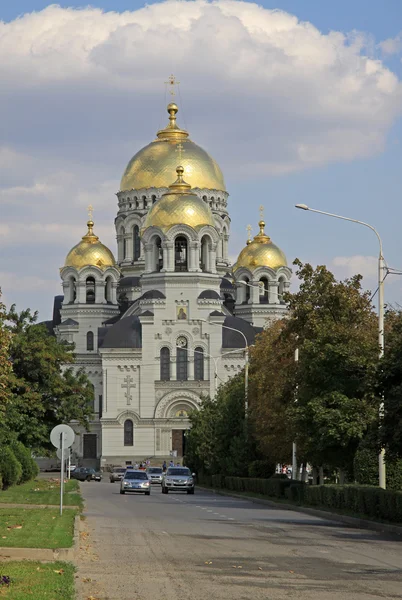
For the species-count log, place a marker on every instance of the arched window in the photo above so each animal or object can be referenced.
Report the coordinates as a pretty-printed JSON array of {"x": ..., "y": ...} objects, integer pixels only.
[
  {"x": 128, "y": 433},
  {"x": 136, "y": 243},
  {"x": 158, "y": 254},
  {"x": 199, "y": 364},
  {"x": 263, "y": 290},
  {"x": 281, "y": 289},
  {"x": 108, "y": 289},
  {"x": 72, "y": 290},
  {"x": 122, "y": 244},
  {"x": 204, "y": 254},
  {"x": 90, "y": 341},
  {"x": 90, "y": 290},
  {"x": 182, "y": 361},
  {"x": 180, "y": 254},
  {"x": 165, "y": 364}
]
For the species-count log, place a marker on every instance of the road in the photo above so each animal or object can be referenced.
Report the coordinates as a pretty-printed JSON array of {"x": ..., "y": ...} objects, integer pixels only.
[{"x": 210, "y": 547}]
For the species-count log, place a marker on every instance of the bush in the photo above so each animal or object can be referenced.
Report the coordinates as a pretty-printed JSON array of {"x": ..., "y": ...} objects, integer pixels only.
[
  {"x": 23, "y": 455},
  {"x": 365, "y": 468},
  {"x": 10, "y": 468}
]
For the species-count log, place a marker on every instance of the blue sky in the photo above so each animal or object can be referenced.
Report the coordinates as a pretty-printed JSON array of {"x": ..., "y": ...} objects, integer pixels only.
[{"x": 69, "y": 130}]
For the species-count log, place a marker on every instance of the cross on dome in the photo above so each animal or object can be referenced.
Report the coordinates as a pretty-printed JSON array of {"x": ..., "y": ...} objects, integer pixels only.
[{"x": 172, "y": 82}]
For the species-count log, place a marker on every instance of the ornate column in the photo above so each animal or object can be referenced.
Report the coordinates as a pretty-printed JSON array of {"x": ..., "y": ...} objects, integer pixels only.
[
  {"x": 254, "y": 292},
  {"x": 149, "y": 254},
  {"x": 190, "y": 367},
  {"x": 81, "y": 288},
  {"x": 129, "y": 246},
  {"x": 193, "y": 255},
  {"x": 170, "y": 256},
  {"x": 100, "y": 292},
  {"x": 164, "y": 257},
  {"x": 212, "y": 258},
  {"x": 273, "y": 297}
]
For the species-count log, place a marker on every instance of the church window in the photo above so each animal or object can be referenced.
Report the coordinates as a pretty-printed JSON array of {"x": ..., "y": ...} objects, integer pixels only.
[
  {"x": 136, "y": 243},
  {"x": 182, "y": 361},
  {"x": 90, "y": 290},
  {"x": 124, "y": 248},
  {"x": 128, "y": 433},
  {"x": 108, "y": 289},
  {"x": 204, "y": 254},
  {"x": 90, "y": 341},
  {"x": 165, "y": 364},
  {"x": 180, "y": 253},
  {"x": 199, "y": 364},
  {"x": 158, "y": 254},
  {"x": 73, "y": 290},
  {"x": 281, "y": 289},
  {"x": 263, "y": 288}
]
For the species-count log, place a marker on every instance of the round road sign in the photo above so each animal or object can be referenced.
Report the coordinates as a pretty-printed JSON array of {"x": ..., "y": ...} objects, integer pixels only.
[
  {"x": 66, "y": 453},
  {"x": 69, "y": 436}
]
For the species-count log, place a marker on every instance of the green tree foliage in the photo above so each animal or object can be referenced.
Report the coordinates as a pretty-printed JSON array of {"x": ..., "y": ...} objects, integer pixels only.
[
  {"x": 336, "y": 331},
  {"x": 5, "y": 364},
  {"x": 217, "y": 441},
  {"x": 390, "y": 384},
  {"x": 272, "y": 391},
  {"x": 45, "y": 391},
  {"x": 24, "y": 457},
  {"x": 10, "y": 467}
]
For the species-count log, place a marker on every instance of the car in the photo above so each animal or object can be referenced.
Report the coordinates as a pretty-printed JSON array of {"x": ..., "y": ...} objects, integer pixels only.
[
  {"x": 178, "y": 479},
  {"x": 71, "y": 468},
  {"x": 117, "y": 474},
  {"x": 135, "y": 481},
  {"x": 86, "y": 474},
  {"x": 155, "y": 474}
]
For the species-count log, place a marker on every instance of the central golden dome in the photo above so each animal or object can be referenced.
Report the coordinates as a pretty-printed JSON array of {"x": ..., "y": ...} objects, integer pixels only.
[
  {"x": 153, "y": 165},
  {"x": 260, "y": 252},
  {"x": 179, "y": 206},
  {"x": 90, "y": 252}
]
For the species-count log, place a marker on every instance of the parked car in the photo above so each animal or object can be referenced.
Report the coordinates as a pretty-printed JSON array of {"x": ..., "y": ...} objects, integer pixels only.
[
  {"x": 72, "y": 468},
  {"x": 135, "y": 481},
  {"x": 117, "y": 474},
  {"x": 155, "y": 474},
  {"x": 86, "y": 474},
  {"x": 178, "y": 478}
]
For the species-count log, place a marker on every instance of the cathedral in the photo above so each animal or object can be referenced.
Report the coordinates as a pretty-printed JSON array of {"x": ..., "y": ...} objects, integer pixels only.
[{"x": 169, "y": 319}]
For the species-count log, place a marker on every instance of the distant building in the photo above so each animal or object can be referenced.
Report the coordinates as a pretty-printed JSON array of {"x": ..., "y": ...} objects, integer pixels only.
[{"x": 155, "y": 329}]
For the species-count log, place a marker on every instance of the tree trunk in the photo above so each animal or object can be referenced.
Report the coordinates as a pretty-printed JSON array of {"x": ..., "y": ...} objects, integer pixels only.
[
  {"x": 342, "y": 477},
  {"x": 314, "y": 474},
  {"x": 321, "y": 476}
]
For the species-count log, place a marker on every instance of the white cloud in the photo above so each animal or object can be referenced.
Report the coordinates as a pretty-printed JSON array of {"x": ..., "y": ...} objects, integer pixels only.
[
  {"x": 82, "y": 91},
  {"x": 347, "y": 266},
  {"x": 392, "y": 45}
]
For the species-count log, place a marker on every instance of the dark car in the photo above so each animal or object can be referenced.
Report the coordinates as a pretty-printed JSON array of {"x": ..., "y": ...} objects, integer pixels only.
[{"x": 86, "y": 474}]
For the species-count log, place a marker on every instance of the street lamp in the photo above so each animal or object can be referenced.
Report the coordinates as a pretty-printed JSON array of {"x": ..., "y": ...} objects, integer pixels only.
[
  {"x": 245, "y": 357},
  {"x": 381, "y": 277}
]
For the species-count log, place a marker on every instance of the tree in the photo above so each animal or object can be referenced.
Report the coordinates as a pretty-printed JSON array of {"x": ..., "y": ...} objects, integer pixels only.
[
  {"x": 217, "y": 442},
  {"x": 336, "y": 332},
  {"x": 45, "y": 390},
  {"x": 272, "y": 391},
  {"x": 5, "y": 364},
  {"x": 390, "y": 384}
]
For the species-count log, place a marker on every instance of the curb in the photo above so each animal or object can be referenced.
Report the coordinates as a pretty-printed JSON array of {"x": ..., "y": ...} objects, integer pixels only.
[
  {"x": 45, "y": 554},
  {"x": 323, "y": 514}
]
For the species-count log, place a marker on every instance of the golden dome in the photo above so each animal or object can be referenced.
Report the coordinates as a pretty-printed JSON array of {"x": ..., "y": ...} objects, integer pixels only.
[
  {"x": 90, "y": 252},
  {"x": 153, "y": 165},
  {"x": 260, "y": 252},
  {"x": 179, "y": 206}
]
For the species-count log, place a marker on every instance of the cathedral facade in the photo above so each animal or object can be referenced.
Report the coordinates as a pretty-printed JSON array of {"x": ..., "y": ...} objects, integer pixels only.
[{"x": 170, "y": 319}]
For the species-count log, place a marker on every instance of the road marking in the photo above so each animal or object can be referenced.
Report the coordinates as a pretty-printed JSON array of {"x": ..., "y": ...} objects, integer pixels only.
[{"x": 230, "y": 519}]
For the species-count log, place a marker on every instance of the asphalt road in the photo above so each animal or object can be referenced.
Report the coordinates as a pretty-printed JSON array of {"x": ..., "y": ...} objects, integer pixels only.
[{"x": 210, "y": 547}]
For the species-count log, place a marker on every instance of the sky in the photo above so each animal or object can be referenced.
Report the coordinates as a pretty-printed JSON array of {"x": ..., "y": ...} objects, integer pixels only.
[{"x": 299, "y": 101}]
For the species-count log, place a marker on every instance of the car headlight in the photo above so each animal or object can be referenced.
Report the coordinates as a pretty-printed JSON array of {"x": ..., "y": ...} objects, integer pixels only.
[
  {"x": 191, "y": 480},
  {"x": 125, "y": 482},
  {"x": 169, "y": 480}
]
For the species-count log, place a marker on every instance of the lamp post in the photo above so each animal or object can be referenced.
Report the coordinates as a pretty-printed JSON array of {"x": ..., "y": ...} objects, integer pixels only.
[
  {"x": 381, "y": 277},
  {"x": 246, "y": 357}
]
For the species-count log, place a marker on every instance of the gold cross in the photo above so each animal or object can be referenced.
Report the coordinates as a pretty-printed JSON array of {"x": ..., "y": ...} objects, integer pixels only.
[
  {"x": 249, "y": 230},
  {"x": 172, "y": 82},
  {"x": 90, "y": 211},
  {"x": 261, "y": 212},
  {"x": 180, "y": 150}
]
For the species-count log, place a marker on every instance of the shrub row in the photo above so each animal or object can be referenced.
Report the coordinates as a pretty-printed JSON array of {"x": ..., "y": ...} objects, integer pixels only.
[
  {"x": 367, "y": 501},
  {"x": 16, "y": 465}
]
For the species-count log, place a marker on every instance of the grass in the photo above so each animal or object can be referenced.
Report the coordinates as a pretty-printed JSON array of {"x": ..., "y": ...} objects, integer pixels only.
[
  {"x": 36, "y": 528},
  {"x": 42, "y": 491},
  {"x": 50, "y": 581}
]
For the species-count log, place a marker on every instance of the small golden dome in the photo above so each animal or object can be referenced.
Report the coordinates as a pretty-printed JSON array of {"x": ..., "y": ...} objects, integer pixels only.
[
  {"x": 90, "y": 252},
  {"x": 179, "y": 206},
  {"x": 153, "y": 165},
  {"x": 260, "y": 252}
]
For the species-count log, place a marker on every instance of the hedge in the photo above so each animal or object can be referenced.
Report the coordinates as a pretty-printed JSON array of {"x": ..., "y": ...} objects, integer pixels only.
[
  {"x": 367, "y": 501},
  {"x": 29, "y": 466},
  {"x": 10, "y": 467}
]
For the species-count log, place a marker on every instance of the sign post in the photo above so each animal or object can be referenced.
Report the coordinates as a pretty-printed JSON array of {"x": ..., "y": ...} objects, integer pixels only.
[{"x": 62, "y": 437}]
